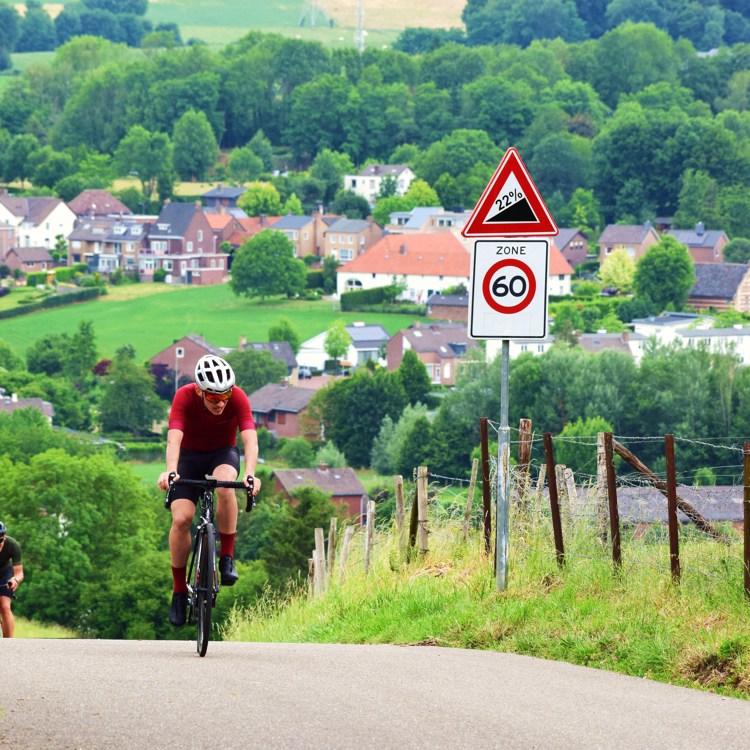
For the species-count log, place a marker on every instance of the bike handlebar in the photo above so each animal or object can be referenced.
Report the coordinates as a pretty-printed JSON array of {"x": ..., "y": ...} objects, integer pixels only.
[{"x": 211, "y": 483}]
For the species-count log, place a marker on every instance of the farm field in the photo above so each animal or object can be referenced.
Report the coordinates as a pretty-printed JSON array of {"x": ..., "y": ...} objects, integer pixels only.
[{"x": 150, "y": 317}]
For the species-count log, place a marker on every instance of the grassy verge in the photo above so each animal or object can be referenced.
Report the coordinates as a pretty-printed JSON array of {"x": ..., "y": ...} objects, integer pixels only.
[
  {"x": 31, "y": 629},
  {"x": 637, "y": 623}
]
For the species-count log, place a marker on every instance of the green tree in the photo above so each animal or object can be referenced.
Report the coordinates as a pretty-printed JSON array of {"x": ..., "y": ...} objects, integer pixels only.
[
  {"x": 330, "y": 455},
  {"x": 9, "y": 360},
  {"x": 337, "y": 341},
  {"x": 48, "y": 354},
  {"x": 37, "y": 30},
  {"x": 415, "y": 450},
  {"x": 284, "y": 330},
  {"x": 297, "y": 453},
  {"x": 351, "y": 205},
  {"x": 144, "y": 154},
  {"x": 618, "y": 271},
  {"x": 10, "y": 28},
  {"x": 195, "y": 147},
  {"x": 265, "y": 265},
  {"x": 293, "y": 205},
  {"x": 387, "y": 445},
  {"x": 19, "y": 157},
  {"x": 665, "y": 274},
  {"x": 244, "y": 165},
  {"x": 737, "y": 250},
  {"x": 576, "y": 453},
  {"x": 330, "y": 167},
  {"x": 82, "y": 355},
  {"x": 415, "y": 379},
  {"x": 262, "y": 147},
  {"x": 254, "y": 369},
  {"x": 260, "y": 198},
  {"x": 129, "y": 402}
]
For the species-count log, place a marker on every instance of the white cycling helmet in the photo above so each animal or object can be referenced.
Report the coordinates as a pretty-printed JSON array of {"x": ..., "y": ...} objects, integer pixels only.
[{"x": 213, "y": 373}]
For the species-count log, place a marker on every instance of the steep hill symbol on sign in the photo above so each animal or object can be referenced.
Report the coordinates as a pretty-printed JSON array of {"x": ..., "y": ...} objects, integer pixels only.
[{"x": 510, "y": 205}]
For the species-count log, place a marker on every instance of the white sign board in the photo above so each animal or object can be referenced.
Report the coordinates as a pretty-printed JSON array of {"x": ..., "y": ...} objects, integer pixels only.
[{"x": 509, "y": 289}]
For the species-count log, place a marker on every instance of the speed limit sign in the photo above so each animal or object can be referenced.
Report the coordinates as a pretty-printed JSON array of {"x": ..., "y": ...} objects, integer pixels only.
[{"x": 509, "y": 289}]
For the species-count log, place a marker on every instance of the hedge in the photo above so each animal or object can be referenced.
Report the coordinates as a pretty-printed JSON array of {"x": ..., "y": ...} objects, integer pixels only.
[
  {"x": 351, "y": 301},
  {"x": 56, "y": 300}
]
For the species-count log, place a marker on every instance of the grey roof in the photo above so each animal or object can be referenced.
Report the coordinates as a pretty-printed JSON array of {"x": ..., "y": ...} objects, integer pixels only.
[
  {"x": 238, "y": 213},
  {"x": 200, "y": 341},
  {"x": 177, "y": 217},
  {"x": 630, "y": 234},
  {"x": 281, "y": 350},
  {"x": 291, "y": 221},
  {"x": 33, "y": 209},
  {"x": 416, "y": 218},
  {"x": 224, "y": 191},
  {"x": 98, "y": 203},
  {"x": 670, "y": 319},
  {"x": 447, "y": 339},
  {"x": 348, "y": 225},
  {"x": 597, "y": 342},
  {"x": 718, "y": 280},
  {"x": 378, "y": 170},
  {"x": 367, "y": 336},
  {"x": 32, "y": 254},
  {"x": 698, "y": 236},
  {"x": 448, "y": 300},
  {"x": 9, "y": 404},
  {"x": 277, "y": 397},
  {"x": 565, "y": 235},
  {"x": 707, "y": 333},
  {"x": 338, "y": 481}
]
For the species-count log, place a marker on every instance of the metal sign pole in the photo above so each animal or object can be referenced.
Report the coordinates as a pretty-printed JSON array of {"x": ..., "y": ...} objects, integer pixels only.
[{"x": 503, "y": 477}]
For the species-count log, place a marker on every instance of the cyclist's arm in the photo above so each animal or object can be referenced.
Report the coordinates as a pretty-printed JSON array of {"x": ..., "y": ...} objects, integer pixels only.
[
  {"x": 17, "y": 577},
  {"x": 250, "y": 443},
  {"x": 174, "y": 441}
]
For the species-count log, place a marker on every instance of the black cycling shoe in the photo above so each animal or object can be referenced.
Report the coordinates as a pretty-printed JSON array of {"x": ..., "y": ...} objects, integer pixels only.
[
  {"x": 178, "y": 610},
  {"x": 227, "y": 570}
]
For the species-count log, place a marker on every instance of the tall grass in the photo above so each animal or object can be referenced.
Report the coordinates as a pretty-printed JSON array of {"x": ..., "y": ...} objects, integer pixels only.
[{"x": 635, "y": 621}]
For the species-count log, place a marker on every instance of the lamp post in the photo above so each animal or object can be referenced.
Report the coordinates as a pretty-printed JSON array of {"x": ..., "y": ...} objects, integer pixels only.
[{"x": 179, "y": 353}]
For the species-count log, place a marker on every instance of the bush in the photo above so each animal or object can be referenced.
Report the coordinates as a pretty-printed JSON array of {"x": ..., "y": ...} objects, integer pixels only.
[{"x": 160, "y": 275}]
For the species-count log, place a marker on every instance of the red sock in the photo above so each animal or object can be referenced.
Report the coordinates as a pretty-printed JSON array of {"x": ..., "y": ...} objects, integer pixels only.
[
  {"x": 179, "y": 577},
  {"x": 227, "y": 544}
]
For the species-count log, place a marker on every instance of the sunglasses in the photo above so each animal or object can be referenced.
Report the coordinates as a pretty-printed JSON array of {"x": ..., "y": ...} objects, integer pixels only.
[
  {"x": 217, "y": 398},
  {"x": 2, "y": 539}
]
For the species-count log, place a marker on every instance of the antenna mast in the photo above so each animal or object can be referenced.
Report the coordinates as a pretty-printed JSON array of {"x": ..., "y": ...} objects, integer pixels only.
[{"x": 359, "y": 33}]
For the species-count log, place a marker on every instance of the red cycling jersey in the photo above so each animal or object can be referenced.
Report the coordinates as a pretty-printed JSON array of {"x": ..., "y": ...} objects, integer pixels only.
[{"x": 204, "y": 431}]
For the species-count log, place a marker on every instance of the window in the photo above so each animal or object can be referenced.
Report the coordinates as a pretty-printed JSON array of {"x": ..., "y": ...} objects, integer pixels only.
[
  {"x": 190, "y": 247},
  {"x": 333, "y": 239},
  {"x": 167, "y": 265},
  {"x": 351, "y": 239},
  {"x": 200, "y": 235},
  {"x": 345, "y": 255},
  {"x": 281, "y": 417}
]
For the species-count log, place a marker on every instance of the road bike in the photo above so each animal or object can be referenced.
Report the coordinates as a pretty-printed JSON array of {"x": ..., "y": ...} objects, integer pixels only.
[{"x": 202, "y": 577}]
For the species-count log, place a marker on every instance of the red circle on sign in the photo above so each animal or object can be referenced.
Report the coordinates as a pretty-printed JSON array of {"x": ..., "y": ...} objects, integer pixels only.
[{"x": 487, "y": 292}]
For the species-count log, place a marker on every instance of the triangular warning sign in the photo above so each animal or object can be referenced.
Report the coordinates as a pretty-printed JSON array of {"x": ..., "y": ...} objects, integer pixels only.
[{"x": 510, "y": 205}]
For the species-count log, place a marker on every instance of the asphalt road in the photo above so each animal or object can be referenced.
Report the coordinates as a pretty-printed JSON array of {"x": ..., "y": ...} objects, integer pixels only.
[{"x": 99, "y": 695}]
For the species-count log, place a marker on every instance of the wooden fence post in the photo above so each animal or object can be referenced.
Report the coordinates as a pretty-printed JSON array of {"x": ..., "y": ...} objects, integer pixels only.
[
  {"x": 348, "y": 533},
  {"x": 486, "y": 489},
  {"x": 311, "y": 576},
  {"x": 554, "y": 504},
  {"x": 331, "y": 556},
  {"x": 422, "y": 508},
  {"x": 614, "y": 513},
  {"x": 674, "y": 538},
  {"x": 370, "y": 536},
  {"x": 400, "y": 513},
  {"x": 746, "y": 514},
  {"x": 319, "y": 555},
  {"x": 562, "y": 492},
  {"x": 524, "y": 459},
  {"x": 602, "y": 512},
  {"x": 470, "y": 499}
]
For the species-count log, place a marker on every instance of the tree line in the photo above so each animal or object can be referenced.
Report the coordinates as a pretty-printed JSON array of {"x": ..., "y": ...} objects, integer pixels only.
[{"x": 622, "y": 128}]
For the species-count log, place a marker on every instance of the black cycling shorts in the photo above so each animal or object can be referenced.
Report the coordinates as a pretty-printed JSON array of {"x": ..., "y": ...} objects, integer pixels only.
[
  {"x": 5, "y": 575},
  {"x": 197, "y": 464}
]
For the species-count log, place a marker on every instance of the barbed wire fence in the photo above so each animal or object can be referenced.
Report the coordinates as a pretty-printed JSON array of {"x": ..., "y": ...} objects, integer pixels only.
[{"x": 608, "y": 511}]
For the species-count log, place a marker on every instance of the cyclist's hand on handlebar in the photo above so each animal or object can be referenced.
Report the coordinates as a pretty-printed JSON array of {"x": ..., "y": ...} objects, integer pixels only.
[
  {"x": 252, "y": 483},
  {"x": 165, "y": 479}
]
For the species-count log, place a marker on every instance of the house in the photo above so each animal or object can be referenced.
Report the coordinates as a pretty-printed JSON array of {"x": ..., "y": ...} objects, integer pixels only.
[
  {"x": 665, "y": 328},
  {"x": 626, "y": 342},
  {"x": 306, "y": 233},
  {"x": 560, "y": 273},
  {"x": 369, "y": 182},
  {"x": 427, "y": 263},
  {"x": 222, "y": 196},
  {"x": 280, "y": 409},
  {"x": 720, "y": 340},
  {"x": 7, "y": 239},
  {"x": 346, "y": 238},
  {"x": 180, "y": 358},
  {"x": 517, "y": 347},
  {"x": 9, "y": 404},
  {"x": 29, "y": 259},
  {"x": 107, "y": 243},
  {"x": 182, "y": 243},
  {"x": 425, "y": 219},
  {"x": 344, "y": 486},
  {"x": 573, "y": 245},
  {"x": 97, "y": 203},
  {"x": 367, "y": 343},
  {"x": 704, "y": 245},
  {"x": 452, "y": 307},
  {"x": 721, "y": 286},
  {"x": 635, "y": 239},
  {"x": 439, "y": 347},
  {"x": 37, "y": 221},
  {"x": 281, "y": 350}
]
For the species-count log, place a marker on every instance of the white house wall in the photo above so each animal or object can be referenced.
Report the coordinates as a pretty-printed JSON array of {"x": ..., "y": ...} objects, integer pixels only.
[{"x": 418, "y": 288}]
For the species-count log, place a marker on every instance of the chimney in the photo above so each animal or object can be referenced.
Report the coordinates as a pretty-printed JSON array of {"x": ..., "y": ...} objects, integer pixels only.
[
  {"x": 700, "y": 229},
  {"x": 402, "y": 249},
  {"x": 323, "y": 467},
  {"x": 243, "y": 342},
  {"x": 262, "y": 220}
]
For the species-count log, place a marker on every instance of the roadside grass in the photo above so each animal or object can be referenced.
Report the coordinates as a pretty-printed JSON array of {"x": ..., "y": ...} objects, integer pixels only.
[
  {"x": 151, "y": 322},
  {"x": 638, "y": 623},
  {"x": 32, "y": 629}
]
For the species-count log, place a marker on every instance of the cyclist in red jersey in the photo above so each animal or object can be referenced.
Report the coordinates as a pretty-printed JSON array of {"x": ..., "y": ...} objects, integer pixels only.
[{"x": 202, "y": 440}]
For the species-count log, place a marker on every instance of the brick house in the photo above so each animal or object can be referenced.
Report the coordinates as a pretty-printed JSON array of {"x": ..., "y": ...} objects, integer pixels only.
[
  {"x": 306, "y": 233},
  {"x": 182, "y": 356},
  {"x": 223, "y": 196},
  {"x": 452, "y": 307},
  {"x": 721, "y": 286},
  {"x": 439, "y": 346},
  {"x": 280, "y": 408},
  {"x": 344, "y": 486},
  {"x": 635, "y": 239},
  {"x": 107, "y": 243},
  {"x": 347, "y": 238},
  {"x": 182, "y": 242},
  {"x": 704, "y": 245},
  {"x": 573, "y": 245},
  {"x": 29, "y": 259}
]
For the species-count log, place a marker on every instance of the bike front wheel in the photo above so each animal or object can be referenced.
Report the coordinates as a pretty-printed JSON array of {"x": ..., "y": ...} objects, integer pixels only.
[{"x": 205, "y": 577}]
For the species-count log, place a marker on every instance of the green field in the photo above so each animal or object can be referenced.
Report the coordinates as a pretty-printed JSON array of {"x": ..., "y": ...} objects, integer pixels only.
[{"x": 150, "y": 317}]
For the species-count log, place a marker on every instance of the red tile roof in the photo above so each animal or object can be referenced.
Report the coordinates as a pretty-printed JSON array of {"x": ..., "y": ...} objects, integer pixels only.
[
  {"x": 435, "y": 254},
  {"x": 558, "y": 265}
]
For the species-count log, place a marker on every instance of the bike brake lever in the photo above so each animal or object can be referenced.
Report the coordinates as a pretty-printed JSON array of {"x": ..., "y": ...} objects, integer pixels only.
[
  {"x": 250, "y": 496},
  {"x": 167, "y": 498}
]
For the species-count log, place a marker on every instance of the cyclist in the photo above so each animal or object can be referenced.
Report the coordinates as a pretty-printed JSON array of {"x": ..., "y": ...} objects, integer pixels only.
[
  {"x": 11, "y": 575},
  {"x": 201, "y": 440}
]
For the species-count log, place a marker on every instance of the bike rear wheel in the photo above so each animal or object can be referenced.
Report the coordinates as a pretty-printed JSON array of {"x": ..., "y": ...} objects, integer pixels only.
[{"x": 204, "y": 590}]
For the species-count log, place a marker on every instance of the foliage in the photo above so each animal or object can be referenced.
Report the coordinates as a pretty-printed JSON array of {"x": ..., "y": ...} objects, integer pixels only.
[
  {"x": 337, "y": 341},
  {"x": 265, "y": 265},
  {"x": 284, "y": 330},
  {"x": 146, "y": 155},
  {"x": 194, "y": 146},
  {"x": 618, "y": 271},
  {"x": 414, "y": 379},
  {"x": 573, "y": 451},
  {"x": 254, "y": 369},
  {"x": 737, "y": 251},
  {"x": 388, "y": 445},
  {"x": 665, "y": 274},
  {"x": 297, "y": 453},
  {"x": 260, "y": 198},
  {"x": 330, "y": 455}
]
